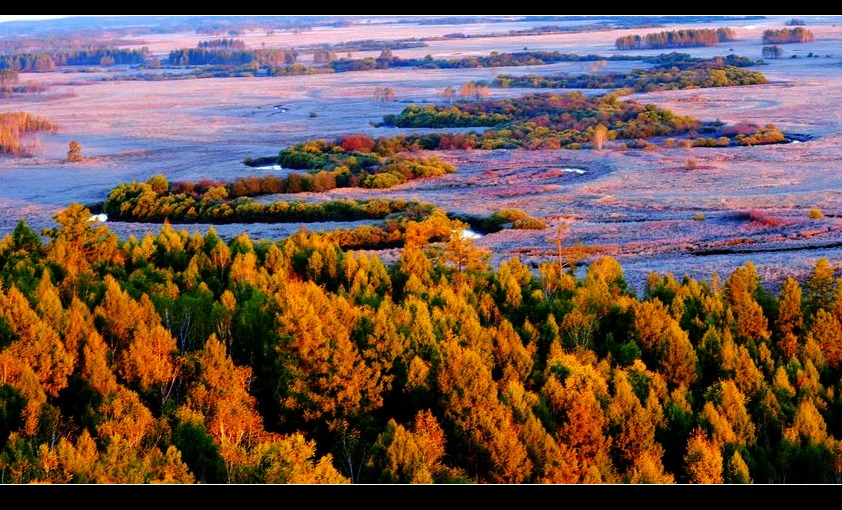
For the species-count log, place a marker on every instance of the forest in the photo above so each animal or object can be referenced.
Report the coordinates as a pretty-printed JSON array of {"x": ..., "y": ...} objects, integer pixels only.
[
  {"x": 672, "y": 72},
  {"x": 182, "y": 358},
  {"x": 541, "y": 121},
  {"x": 547, "y": 121},
  {"x": 49, "y": 61}
]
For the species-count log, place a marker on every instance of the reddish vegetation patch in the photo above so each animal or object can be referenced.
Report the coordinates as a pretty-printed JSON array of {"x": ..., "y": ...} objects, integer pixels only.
[
  {"x": 357, "y": 143},
  {"x": 759, "y": 218}
]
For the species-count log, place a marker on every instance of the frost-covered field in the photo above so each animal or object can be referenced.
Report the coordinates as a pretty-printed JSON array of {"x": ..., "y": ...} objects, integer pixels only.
[{"x": 646, "y": 208}]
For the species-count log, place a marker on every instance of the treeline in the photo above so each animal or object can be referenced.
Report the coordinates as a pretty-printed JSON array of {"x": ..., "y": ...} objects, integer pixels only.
[
  {"x": 387, "y": 60},
  {"x": 184, "y": 358},
  {"x": 539, "y": 121},
  {"x": 675, "y": 73},
  {"x": 374, "y": 45},
  {"x": 219, "y": 63},
  {"x": 329, "y": 166},
  {"x": 57, "y": 42},
  {"x": 683, "y": 38},
  {"x": 232, "y": 57},
  {"x": 155, "y": 202},
  {"x": 787, "y": 35},
  {"x": 49, "y": 61},
  {"x": 13, "y": 125},
  {"x": 222, "y": 44}
]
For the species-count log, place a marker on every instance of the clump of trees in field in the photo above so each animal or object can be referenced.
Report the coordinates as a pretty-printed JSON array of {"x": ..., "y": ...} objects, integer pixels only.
[
  {"x": 186, "y": 358},
  {"x": 10, "y": 84},
  {"x": 569, "y": 121},
  {"x": 773, "y": 51},
  {"x": 15, "y": 125},
  {"x": 539, "y": 121},
  {"x": 74, "y": 152},
  {"x": 222, "y": 44},
  {"x": 231, "y": 57},
  {"x": 787, "y": 35},
  {"x": 671, "y": 72},
  {"x": 683, "y": 38}
]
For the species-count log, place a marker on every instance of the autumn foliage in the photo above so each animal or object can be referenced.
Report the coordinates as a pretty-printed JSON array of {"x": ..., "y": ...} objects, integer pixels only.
[{"x": 185, "y": 358}]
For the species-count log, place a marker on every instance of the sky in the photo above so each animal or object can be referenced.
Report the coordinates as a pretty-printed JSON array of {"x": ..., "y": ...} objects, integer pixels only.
[{"x": 21, "y": 17}]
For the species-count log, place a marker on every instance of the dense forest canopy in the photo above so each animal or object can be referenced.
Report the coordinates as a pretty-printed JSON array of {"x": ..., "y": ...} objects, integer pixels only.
[{"x": 184, "y": 358}]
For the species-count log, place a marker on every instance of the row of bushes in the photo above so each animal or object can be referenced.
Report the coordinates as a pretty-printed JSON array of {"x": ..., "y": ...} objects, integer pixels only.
[
  {"x": 148, "y": 202},
  {"x": 683, "y": 38}
]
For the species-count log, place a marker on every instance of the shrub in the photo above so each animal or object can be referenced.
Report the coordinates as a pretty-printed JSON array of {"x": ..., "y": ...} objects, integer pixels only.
[
  {"x": 529, "y": 224},
  {"x": 816, "y": 213}
]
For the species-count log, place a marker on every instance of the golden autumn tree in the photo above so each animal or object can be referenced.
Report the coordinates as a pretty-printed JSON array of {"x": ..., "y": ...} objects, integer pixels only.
[
  {"x": 77, "y": 243},
  {"x": 331, "y": 380},
  {"x": 790, "y": 318},
  {"x": 634, "y": 447},
  {"x": 826, "y": 331},
  {"x": 289, "y": 459},
  {"x": 487, "y": 428},
  {"x": 726, "y": 416},
  {"x": 411, "y": 455},
  {"x": 703, "y": 461},
  {"x": 749, "y": 319},
  {"x": 220, "y": 396},
  {"x": 577, "y": 410},
  {"x": 820, "y": 289},
  {"x": 665, "y": 345}
]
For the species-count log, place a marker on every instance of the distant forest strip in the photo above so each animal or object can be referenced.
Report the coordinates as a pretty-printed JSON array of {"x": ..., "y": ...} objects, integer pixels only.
[
  {"x": 683, "y": 38},
  {"x": 674, "y": 71},
  {"x": 368, "y": 45},
  {"x": 787, "y": 35},
  {"x": 13, "y": 125},
  {"x": 239, "y": 63},
  {"x": 10, "y": 84},
  {"x": 230, "y": 56},
  {"x": 230, "y": 61},
  {"x": 49, "y": 61},
  {"x": 387, "y": 60}
]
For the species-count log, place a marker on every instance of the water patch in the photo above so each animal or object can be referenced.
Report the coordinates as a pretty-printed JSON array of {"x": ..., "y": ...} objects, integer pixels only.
[
  {"x": 469, "y": 234},
  {"x": 269, "y": 167}
]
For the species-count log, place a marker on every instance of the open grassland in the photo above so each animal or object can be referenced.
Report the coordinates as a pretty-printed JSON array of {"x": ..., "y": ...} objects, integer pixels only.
[{"x": 696, "y": 211}]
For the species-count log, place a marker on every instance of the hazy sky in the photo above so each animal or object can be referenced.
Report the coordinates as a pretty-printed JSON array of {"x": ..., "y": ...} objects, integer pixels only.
[{"x": 18, "y": 17}]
